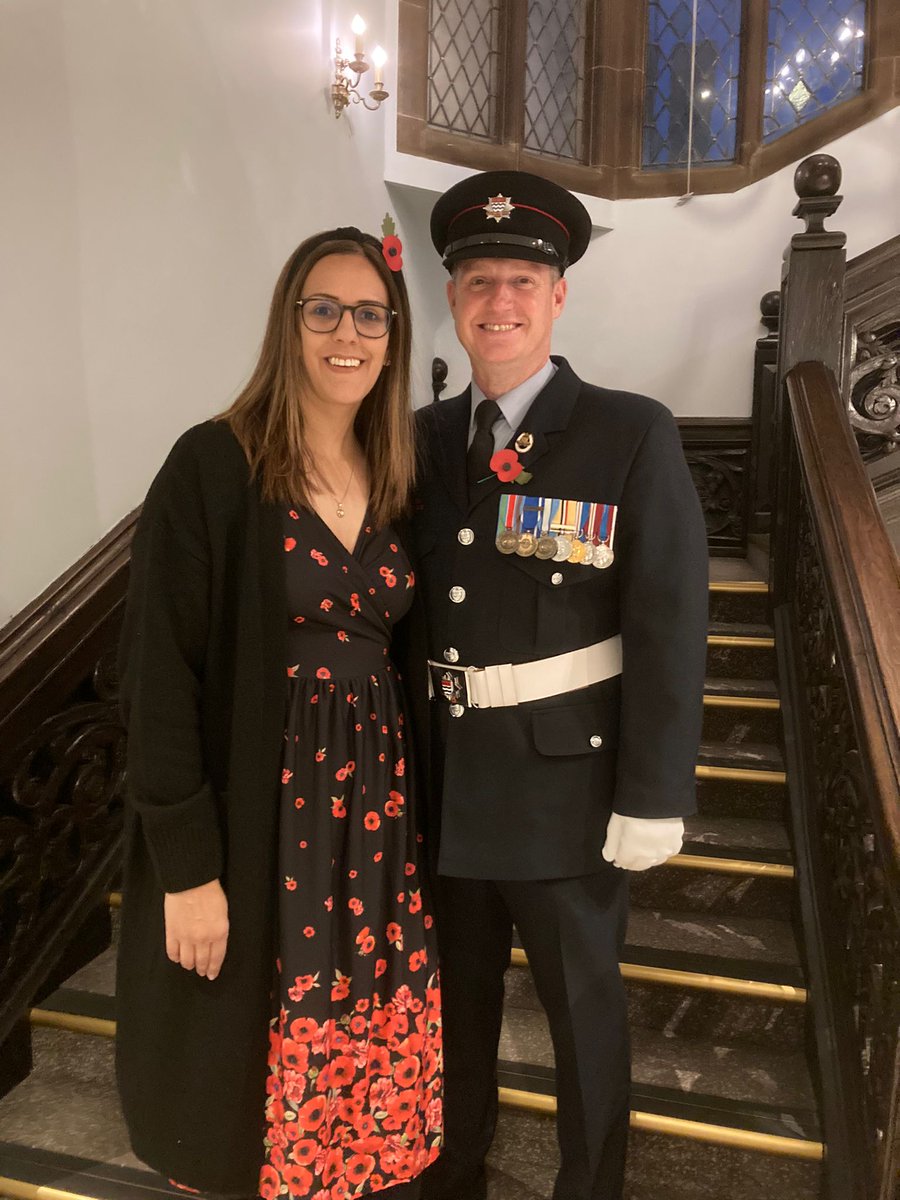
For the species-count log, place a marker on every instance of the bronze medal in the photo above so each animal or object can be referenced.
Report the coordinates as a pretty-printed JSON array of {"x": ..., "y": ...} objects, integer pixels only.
[
  {"x": 527, "y": 545},
  {"x": 507, "y": 542},
  {"x": 546, "y": 547}
]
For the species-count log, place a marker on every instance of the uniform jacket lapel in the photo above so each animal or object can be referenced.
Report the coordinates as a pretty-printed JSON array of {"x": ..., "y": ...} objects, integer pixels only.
[
  {"x": 452, "y": 424},
  {"x": 546, "y": 420}
]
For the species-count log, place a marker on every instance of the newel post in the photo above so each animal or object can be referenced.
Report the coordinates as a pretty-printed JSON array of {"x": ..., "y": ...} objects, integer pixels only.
[{"x": 811, "y": 320}]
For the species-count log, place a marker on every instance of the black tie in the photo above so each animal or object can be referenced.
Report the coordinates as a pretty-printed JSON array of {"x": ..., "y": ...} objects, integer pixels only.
[{"x": 481, "y": 451}]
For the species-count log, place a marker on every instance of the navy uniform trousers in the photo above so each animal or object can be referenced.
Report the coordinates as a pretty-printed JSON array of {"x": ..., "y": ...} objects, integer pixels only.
[{"x": 572, "y": 931}]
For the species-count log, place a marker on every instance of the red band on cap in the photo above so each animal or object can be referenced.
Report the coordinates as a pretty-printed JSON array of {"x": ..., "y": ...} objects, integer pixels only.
[{"x": 530, "y": 207}]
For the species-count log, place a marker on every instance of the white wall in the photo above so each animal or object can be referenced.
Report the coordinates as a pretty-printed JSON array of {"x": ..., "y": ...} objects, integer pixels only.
[{"x": 161, "y": 158}]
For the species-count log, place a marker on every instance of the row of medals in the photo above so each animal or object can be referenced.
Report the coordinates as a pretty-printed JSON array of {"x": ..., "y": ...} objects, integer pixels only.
[{"x": 558, "y": 547}]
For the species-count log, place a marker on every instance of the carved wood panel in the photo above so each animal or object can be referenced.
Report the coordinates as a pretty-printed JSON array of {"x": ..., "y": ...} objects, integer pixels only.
[{"x": 60, "y": 811}]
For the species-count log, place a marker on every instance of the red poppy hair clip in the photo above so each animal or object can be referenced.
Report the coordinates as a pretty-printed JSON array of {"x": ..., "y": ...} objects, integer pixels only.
[{"x": 391, "y": 246}]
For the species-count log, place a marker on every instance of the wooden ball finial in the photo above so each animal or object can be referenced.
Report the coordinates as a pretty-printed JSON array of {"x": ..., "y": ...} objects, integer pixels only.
[{"x": 818, "y": 175}]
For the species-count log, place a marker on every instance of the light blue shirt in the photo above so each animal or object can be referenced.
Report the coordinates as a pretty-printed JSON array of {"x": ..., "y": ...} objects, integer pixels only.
[{"x": 514, "y": 405}]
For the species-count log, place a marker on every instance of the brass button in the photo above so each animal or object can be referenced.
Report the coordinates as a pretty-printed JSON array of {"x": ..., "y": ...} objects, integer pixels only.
[
  {"x": 457, "y": 594},
  {"x": 466, "y": 537},
  {"x": 451, "y": 654}
]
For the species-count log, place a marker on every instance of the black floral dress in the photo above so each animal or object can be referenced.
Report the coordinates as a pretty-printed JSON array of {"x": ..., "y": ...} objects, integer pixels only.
[{"x": 355, "y": 1063}]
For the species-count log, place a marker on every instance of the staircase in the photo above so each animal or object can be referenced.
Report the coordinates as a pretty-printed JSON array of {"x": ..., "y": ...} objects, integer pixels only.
[{"x": 723, "y": 1100}]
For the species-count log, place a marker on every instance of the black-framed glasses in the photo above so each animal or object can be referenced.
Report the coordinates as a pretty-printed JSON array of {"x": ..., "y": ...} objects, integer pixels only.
[{"x": 323, "y": 315}]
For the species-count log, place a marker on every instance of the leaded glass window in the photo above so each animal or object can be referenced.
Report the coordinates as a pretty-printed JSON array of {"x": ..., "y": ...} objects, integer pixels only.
[
  {"x": 463, "y": 66},
  {"x": 815, "y": 59},
  {"x": 667, "y": 104},
  {"x": 549, "y": 86},
  {"x": 554, "y": 77}
]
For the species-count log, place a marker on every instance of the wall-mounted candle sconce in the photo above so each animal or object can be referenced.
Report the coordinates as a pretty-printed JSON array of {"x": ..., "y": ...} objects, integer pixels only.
[{"x": 345, "y": 89}]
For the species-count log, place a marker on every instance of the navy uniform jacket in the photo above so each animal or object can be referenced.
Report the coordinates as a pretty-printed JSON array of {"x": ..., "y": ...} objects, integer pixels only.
[{"x": 526, "y": 795}]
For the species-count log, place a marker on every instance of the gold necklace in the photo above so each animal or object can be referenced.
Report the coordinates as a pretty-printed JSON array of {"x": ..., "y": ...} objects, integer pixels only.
[{"x": 340, "y": 503}]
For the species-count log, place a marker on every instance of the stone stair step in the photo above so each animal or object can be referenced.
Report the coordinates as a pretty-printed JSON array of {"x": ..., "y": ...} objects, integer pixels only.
[
  {"x": 745, "y": 837},
  {"x": 68, "y": 1105},
  {"x": 756, "y": 689},
  {"x": 693, "y": 975},
  {"x": 742, "y": 756},
  {"x": 741, "y": 710},
  {"x": 727, "y": 865},
  {"x": 740, "y": 793},
  {"x": 736, "y": 593},
  {"x": 748, "y": 1019},
  {"x": 744, "y": 780},
  {"x": 737, "y": 942},
  {"x": 756, "y": 630},
  {"x": 716, "y": 1069},
  {"x": 45, "y": 1175},
  {"x": 523, "y": 1162},
  {"x": 28, "y": 1173},
  {"x": 749, "y": 1140},
  {"x": 739, "y": 651}
]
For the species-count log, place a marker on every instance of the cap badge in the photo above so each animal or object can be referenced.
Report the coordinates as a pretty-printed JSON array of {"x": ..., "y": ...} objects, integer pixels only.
[
  {"x": 499, "y": 208},
  {"x": 524, "y": 442}
]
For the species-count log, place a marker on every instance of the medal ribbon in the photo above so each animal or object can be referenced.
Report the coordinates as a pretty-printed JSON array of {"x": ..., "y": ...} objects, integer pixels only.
[
  {"x": 570, "y": 510},
  {"x": 594, "y": 525},
  {"x": 614, "y": 512},
  {"x": 585, "y": 519},
  {"x": 506, "y": 513},
  {"x": 532, "y": 507},
  {"x": 607, "y": 529},
  {"x": 551, "y": 516}
]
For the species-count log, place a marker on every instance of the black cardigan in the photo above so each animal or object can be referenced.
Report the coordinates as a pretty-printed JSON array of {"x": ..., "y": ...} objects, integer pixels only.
[{"x": 203, "y": 694}]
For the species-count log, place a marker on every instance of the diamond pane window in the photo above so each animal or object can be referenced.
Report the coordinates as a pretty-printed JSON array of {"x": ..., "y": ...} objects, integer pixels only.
[
  {"x": 554, "y": 77},
  {"x": 667, "y": 99},
  {"x": 815, "y": 60},
  {"x": 463, "y": 40}
]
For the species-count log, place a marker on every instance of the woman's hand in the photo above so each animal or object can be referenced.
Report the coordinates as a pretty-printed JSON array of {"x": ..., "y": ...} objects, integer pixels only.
[{"x": 197, "y": 928}]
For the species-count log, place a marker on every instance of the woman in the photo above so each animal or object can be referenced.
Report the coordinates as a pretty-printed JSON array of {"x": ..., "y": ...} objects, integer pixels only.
[{"x": 279, "y": 1027}]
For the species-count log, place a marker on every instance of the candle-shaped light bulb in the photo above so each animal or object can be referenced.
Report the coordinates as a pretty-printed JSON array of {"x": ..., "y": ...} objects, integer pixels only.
[
  {"x": 358, "y": 26},
  {"x": 379, "y": 58}
]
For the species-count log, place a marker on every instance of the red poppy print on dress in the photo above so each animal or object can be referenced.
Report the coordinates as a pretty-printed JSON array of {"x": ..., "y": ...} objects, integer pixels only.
[{"x": 354, "y": 1087}]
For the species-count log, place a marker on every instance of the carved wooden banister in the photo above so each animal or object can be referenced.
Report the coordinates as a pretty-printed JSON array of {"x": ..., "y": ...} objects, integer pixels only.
[
  {"x": 836, "y": 592},
  {"x": 838, "y": 633},
  {"x": 863, "y": 576}
]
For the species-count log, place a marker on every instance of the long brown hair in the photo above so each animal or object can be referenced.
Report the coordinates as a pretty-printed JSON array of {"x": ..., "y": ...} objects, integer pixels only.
[{"x": 267, "y": 418}]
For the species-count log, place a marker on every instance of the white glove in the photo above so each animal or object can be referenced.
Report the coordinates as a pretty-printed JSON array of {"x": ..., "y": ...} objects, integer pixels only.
[{"x": 636, "y": 843}]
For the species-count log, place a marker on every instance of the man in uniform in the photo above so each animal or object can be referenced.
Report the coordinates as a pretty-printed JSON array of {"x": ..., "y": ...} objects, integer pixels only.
[{"x": 562, "y": 560}]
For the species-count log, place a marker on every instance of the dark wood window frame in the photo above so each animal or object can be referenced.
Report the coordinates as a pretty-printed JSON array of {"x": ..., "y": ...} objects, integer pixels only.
[{"x": 614, "y": 103}]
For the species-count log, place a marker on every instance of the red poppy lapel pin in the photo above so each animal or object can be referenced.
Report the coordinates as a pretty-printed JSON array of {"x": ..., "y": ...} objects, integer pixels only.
[{"x": 506, "y": 466}]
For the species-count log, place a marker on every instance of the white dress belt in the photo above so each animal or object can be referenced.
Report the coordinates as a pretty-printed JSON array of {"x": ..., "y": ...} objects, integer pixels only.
[{"x": 505, "y": 684}]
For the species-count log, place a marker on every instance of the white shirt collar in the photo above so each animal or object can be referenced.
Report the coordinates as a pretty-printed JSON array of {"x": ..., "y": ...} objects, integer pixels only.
[{"x": 513, "y": 404}]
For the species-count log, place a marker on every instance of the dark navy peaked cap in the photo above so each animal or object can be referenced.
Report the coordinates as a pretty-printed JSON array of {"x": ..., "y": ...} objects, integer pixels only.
[{"x": 510, "y": 214}]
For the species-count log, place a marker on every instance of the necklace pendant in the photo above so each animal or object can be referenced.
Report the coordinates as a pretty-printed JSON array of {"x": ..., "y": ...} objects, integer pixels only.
[{"x": 340, "y": 510}]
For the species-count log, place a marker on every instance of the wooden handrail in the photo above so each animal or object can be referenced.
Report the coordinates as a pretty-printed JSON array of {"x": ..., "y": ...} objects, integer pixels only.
[{"x": 864, "y": 577}]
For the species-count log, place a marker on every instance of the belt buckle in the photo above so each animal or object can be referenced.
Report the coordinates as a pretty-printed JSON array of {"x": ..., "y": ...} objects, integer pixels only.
[{"x": 453, "y": 683}]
